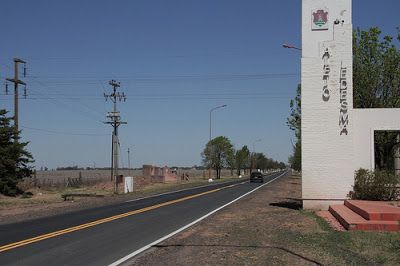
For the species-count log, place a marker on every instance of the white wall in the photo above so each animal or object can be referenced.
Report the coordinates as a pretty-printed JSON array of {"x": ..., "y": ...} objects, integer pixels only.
[
  {"x": 327, "y": 154},
  {"x": 366, "y": 121}
]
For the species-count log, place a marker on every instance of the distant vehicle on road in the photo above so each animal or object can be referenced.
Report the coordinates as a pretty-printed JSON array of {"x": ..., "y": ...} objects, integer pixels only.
[{"x": 256, "y": 177}]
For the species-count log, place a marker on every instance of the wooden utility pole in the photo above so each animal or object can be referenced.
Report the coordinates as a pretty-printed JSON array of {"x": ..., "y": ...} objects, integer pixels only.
[
  {"x": 115, "y": 121},
  {"x": 16, "y": 82}
]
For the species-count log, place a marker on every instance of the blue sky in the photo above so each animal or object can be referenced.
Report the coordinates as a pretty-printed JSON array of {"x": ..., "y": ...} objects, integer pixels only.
[{"x": 175, "y": 61}]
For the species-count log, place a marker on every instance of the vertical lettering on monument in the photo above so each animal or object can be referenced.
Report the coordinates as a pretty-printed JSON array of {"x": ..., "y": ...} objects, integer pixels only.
[
  {"x": 325, "y": 75},
  {"x": 343, "y": 116}
]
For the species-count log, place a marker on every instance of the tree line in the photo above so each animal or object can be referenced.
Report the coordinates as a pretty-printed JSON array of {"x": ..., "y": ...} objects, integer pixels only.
[{"x": 219, "y": 153}]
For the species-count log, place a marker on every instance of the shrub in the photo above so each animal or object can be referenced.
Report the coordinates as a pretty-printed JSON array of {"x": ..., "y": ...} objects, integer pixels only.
[
  {"x": 26, "y": 195},
  {"x": 374, "y": 185}
]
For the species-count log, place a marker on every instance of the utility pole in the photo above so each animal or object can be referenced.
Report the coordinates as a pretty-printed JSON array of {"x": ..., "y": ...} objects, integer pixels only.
[
  {"x": 252, "y": 157},
  {"x": 16, "y": 82},
  {"x": 115, "y": 122}
]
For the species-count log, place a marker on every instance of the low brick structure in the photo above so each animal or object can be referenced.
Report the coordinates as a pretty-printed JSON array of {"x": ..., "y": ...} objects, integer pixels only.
[{"x": 157, "y": 174}]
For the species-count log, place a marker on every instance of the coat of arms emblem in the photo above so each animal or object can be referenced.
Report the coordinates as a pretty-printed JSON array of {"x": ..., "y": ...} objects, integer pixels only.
[{"x": 320, "y": 20}]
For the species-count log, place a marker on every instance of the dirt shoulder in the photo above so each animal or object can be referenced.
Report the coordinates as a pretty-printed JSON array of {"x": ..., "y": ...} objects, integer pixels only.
[
  {"x": 264, "y": 228},
  {"x": 46, "y": 203}
]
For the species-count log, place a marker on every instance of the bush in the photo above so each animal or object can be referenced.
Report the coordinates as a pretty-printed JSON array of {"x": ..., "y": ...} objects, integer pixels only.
[
  {"x": 374, "y": 185},
  {"x": 26, "y": 195}
]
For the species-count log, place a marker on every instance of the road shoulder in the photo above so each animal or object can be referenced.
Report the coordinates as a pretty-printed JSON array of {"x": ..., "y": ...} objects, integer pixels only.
[{"x": 264, "y": 228}]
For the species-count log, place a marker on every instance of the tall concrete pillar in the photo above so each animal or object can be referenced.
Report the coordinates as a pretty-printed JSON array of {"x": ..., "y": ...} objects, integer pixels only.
[{"x": 327, "y": 102}]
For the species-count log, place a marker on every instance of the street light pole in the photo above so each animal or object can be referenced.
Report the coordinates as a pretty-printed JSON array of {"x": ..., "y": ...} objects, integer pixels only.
[
  {"x": 211, "y": 110},
  {"x": 254, "y": 152}
]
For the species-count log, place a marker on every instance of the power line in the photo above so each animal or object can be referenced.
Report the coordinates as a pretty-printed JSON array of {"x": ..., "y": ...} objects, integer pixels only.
[
  {"x": 92, "y": 79},
  {"x": 168, "y": 95},
  {"x": 64, "y": 133},
  {"x": 60, "y": 103},
  {"x": 176, "y": 98}
]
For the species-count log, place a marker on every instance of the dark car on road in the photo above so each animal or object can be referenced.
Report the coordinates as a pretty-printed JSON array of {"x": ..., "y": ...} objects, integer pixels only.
[{"x": 256, "y": 177}]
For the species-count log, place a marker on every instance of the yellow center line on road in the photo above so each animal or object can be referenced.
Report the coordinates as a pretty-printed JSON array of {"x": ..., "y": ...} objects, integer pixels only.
[{"x": 101, "y": 221}]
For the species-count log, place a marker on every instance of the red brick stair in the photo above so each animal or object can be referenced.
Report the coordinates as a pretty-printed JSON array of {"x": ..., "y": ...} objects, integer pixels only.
[{"x": 367, "y": 215}]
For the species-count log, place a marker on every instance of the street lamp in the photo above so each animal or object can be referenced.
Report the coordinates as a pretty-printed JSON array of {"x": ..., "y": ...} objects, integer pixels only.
[
  {"x": 211, "y": 110},
  {"x": 289, "y": 46},
  {"x": 254, "y": 153}
]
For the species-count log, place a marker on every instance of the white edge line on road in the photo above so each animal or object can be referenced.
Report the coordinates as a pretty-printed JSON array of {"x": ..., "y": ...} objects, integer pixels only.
[
  {"x": 176, "y": 191},
  {"x": 129, "y": 256}
]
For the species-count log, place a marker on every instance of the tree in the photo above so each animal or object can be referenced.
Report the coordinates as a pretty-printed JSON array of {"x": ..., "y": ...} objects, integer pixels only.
[
  {"x": 261, "y": 161},
  {"x": 376, "y": 70},
  {"x": 242, "y": 159},
  {"x": 218, "y": 153},
  {"x": 14, "y": 159},
  {"x": 294, "y": 120},
  {"x": 295, "y": 159},
  {"x": 294, "y": 123},
  {"x": 376, "y": 75}
]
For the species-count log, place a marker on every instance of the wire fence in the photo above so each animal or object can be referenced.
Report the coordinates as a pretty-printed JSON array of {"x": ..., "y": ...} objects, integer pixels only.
[{"x": 79, "y": 178}]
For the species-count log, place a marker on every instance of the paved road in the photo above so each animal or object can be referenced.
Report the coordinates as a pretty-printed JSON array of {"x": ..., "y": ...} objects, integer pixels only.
[{"x": 101, "y": 236}]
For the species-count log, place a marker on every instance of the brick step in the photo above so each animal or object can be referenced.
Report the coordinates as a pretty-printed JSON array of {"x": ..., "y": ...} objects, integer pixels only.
[
  {"x": 374, "y": 210},
  {"x": 353, "y": 221}
]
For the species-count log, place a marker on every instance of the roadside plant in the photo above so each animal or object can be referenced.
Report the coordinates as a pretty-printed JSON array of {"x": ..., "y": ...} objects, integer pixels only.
[
  {"x": 242, "y": 157},
  {"x": 218, "y": 153},
  {"x": 375, "y": 185}
]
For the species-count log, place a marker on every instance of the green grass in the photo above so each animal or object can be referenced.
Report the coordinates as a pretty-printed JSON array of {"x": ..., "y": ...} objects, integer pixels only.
[{"x": 349, "y": 247}]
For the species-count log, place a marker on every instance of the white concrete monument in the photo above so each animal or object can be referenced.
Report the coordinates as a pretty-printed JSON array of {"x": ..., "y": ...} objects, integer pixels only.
[
  {"x": 128, "y": 184},
  {"x": 336, "y": 138}
]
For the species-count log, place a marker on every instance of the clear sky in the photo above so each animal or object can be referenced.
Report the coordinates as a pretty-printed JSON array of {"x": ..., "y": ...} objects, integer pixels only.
[{"x": 175, "y": 61}]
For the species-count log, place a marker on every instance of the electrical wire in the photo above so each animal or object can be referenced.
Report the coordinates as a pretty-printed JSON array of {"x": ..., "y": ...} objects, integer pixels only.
[
  {"x": 60, "y": 103},
  {"x": 65, "y": 81},
  {"x": 63, "y": 133}
]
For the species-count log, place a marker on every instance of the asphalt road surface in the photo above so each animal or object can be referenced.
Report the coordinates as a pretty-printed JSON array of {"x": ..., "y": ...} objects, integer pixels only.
[{"x": 104, "y": 235}]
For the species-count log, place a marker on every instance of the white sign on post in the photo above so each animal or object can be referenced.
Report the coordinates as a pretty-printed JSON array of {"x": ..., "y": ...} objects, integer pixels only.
[{"x": 128, "y": 184}]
